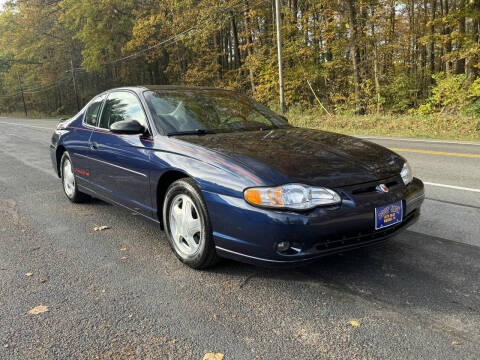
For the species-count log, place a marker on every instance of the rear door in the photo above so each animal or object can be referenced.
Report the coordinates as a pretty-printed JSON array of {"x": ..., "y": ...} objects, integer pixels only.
[{"x": 120, "y": 163}]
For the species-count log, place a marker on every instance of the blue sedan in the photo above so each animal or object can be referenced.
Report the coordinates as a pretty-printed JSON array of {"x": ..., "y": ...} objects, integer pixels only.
[{"x": 224, "y": 176}]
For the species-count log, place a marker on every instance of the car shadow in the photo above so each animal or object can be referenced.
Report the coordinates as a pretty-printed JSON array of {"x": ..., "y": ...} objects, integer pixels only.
[
  {"x": 424, "y": 276},
  {"x": 415, "y": 273}
]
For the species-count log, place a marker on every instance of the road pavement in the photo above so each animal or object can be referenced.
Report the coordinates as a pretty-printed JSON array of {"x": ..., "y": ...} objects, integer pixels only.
[{"x": 122, "y": 294}]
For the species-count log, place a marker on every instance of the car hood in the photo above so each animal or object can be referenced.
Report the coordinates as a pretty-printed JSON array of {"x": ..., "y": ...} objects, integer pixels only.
[{"x": 305, "y": 156}]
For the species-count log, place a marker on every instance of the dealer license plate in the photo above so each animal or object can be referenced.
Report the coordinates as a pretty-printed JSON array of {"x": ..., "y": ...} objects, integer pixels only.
[{"x": 388, "y": 215}]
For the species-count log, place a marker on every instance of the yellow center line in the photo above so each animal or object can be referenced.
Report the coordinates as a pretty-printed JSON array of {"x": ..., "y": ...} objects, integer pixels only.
[{"x": 437, "y": 153}]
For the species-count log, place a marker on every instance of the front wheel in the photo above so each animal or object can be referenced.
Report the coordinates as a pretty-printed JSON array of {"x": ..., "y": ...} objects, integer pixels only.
[
  {"x": 68, "y": 180},
  {"x": 187, "y": 225}
]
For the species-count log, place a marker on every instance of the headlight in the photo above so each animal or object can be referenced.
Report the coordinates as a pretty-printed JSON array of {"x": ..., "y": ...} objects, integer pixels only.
[
  {"x": 291, "y": 196},
  {"x": 406, "y": 173}
]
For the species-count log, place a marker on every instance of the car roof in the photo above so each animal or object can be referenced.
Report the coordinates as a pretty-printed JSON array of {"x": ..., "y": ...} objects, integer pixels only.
[{"x": 168, "y": 87}]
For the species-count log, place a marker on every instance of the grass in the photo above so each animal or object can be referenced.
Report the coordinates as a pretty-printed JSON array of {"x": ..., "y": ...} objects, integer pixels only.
[{"x": 455, "y": 127}]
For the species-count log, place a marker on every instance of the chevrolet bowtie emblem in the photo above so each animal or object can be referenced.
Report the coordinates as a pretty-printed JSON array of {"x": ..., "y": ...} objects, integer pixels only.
[{"x": 382, "y": 188}]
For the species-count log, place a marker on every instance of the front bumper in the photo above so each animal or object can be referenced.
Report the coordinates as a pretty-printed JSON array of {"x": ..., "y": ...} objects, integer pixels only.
[{"x": 249, "y": 234}]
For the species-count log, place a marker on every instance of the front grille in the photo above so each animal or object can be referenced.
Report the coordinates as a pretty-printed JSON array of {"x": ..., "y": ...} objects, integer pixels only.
[
  {"x": 372, "y": 187},
  {"x": 361, "y": 238}
]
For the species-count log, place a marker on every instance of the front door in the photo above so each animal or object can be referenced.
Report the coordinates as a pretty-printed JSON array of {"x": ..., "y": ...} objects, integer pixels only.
[
  {"x": 120, "y": 163},
  {"x": 79, "y": 146}
]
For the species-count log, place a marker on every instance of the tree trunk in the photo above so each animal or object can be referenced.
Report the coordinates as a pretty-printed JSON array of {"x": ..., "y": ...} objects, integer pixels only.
[
  {"x": 375, "y": 62},
  {"x": 236, "y": 49},
  {"x": 472, "y": 71},
  {"x": 392, "y": 35},
  {"x": 355, "y": 53},
  {"x": 448, "y": 45},
  {"x": 218, "y": 49},
  {"x": 460, "y": 67},
  {"x": 249, "y": 47},
  {"x": 423, "y": 61},
  {"x": 432, "y": 42}
]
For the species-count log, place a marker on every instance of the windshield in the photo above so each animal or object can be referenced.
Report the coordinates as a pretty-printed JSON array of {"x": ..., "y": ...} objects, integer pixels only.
[{"x": 197, "y": 111}]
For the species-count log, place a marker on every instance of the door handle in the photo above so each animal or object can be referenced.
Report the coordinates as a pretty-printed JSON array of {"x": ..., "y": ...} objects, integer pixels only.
[{"x": 94, "y": 146}]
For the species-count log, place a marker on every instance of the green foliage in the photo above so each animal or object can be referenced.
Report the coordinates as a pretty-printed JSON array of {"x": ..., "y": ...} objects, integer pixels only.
[
  {"x": 400, "y": 93},
  {"x": 451, "y": 94},
  {"x": 359, "y": 56}
]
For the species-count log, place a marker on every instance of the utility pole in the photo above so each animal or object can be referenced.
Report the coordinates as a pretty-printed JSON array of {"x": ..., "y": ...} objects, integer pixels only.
[
  {"x": 280, "y": 61},
  {"x": 75, "y": 86},
  {"x": 23, "y": 97}
]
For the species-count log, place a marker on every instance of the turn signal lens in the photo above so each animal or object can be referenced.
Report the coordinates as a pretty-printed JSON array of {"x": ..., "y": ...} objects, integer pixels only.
[
  {"x": 292, "y": 196},
  {"x": 253, "y": 196},
  {"x": 259, "y": 196}
]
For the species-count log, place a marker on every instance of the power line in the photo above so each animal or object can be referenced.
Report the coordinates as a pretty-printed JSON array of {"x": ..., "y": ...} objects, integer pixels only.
[
  {"x": 47, "y": 85},
  {"x": 53, "y": 86},
  {"x": 38, "y": 89},
  {"x": 171, "y": 39},
  {"x": 177, "y": 36}
]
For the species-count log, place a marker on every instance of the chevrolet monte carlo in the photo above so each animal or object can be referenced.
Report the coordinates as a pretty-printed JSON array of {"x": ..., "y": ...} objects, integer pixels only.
[{"x": 224, "y": 176}]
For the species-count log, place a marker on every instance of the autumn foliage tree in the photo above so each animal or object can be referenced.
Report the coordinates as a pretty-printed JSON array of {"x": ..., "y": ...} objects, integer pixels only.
[{"x": 365, "y": 56}]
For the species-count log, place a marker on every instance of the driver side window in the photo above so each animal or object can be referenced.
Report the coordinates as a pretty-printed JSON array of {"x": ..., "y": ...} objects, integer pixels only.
[{"x": 120, "y": 106}]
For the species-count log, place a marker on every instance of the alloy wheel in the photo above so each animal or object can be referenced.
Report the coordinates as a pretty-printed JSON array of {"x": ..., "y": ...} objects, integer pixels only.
[
  {"x": 185, "y": 225},
  {"x": 68, "y": 178}
]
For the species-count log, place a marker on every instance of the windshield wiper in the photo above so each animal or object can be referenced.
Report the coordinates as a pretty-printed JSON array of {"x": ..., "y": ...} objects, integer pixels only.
[{"x": 191, "y": 132}]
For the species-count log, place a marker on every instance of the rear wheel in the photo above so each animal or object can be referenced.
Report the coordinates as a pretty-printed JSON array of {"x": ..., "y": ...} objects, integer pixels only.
[
  {"x": 68, "y": 180},
  {"x": 187, "y": 225}
]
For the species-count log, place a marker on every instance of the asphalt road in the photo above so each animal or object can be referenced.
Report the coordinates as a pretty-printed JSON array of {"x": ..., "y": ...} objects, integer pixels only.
[{"x": 417, "y": 297}]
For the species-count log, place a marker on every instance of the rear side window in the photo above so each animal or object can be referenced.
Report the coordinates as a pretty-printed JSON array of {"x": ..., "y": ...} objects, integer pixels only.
[
  {"x": 93, "y": 111},
  {"x": 122, "y": 106}
]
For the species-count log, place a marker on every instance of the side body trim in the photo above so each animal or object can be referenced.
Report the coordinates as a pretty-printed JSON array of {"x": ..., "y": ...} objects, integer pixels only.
[{"x": 107, "y": 163}]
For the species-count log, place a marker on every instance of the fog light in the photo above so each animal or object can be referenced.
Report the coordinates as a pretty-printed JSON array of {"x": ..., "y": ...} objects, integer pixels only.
[{"x": 283, "y": 246}]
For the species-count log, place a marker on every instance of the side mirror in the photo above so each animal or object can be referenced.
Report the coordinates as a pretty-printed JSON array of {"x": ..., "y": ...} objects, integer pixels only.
[{"x": 129, "y": 127}]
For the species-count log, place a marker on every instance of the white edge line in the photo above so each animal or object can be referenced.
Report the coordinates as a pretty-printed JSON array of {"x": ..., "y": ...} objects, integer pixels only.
[
  {"x": 29, "y": 126},
  {"x": 419, "y": 140},
  {"x": 452, "y": 187}
]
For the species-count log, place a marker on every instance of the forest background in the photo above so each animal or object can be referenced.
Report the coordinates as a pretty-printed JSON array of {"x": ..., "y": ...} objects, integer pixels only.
[{"x": 390, "y": 67}]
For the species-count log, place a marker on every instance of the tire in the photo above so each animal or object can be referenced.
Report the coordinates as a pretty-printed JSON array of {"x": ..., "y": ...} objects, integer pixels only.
[
  {"x": 187, "y": 225},
  {"x": 69, "y": 183}
]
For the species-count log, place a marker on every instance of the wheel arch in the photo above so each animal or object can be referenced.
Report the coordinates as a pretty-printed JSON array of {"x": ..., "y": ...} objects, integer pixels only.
[
  {"x": 58, "y": 155},
  {"x": 168, "y": 178}
]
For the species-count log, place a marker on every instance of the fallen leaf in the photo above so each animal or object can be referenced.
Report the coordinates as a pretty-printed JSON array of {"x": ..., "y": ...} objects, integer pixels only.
[
  {"x": 91, "y": 287},
  {"x": 455, "y": 343},
  {"x": 215, "y": 316},
  {"x": 38, "y": 310},
  {"x": 354, "y": 323},
  {"x": 42, "y": 280},
  {"x": 100, "y": 228},
  {"x": 213, "y": 356},
  {"x": 123, "y": 249},
  {"x": 28, "y": 274}
]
